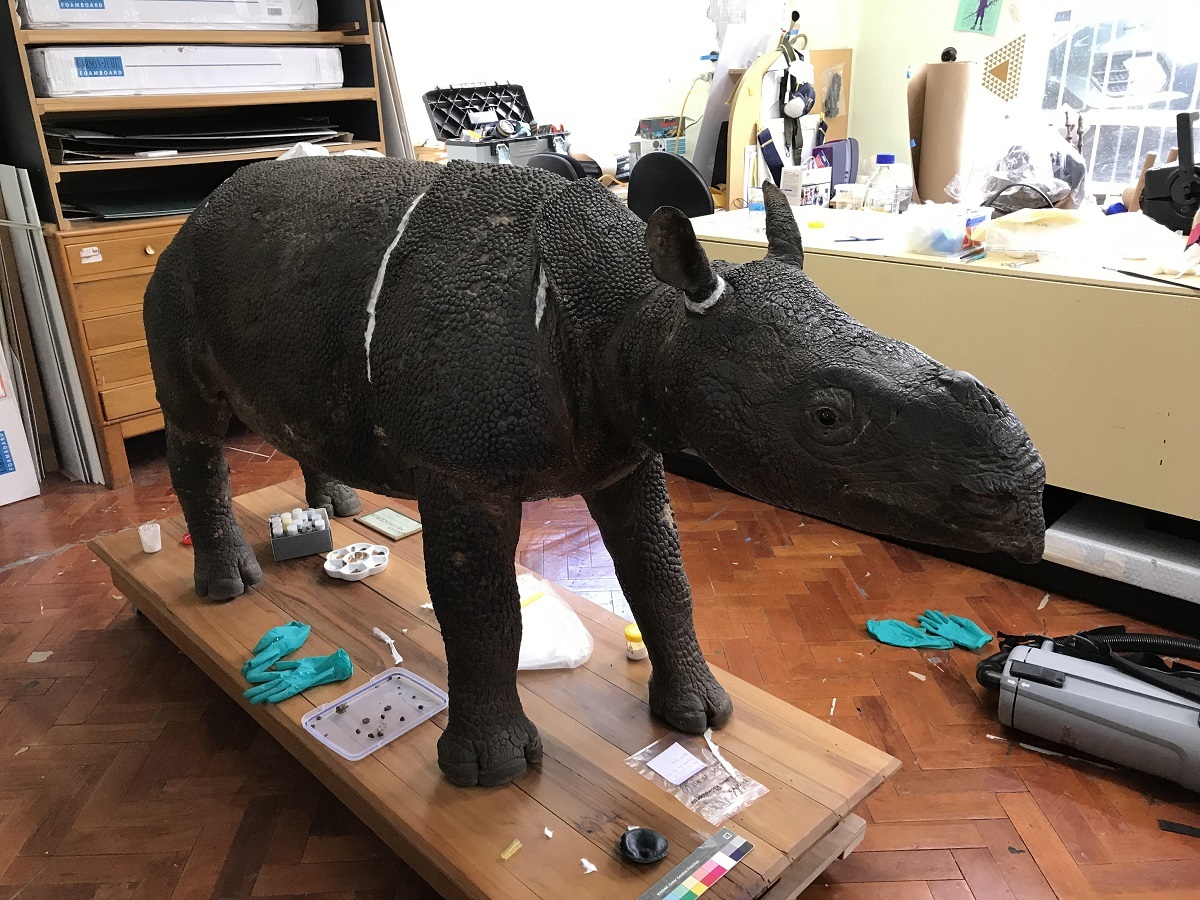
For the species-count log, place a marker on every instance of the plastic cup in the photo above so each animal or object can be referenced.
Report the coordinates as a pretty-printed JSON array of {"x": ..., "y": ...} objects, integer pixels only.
[{"x": 151, "y": 536}]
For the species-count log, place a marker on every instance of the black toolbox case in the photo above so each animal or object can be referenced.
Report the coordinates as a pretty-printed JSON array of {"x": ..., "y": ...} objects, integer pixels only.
[{"x": 450, "y": 112}]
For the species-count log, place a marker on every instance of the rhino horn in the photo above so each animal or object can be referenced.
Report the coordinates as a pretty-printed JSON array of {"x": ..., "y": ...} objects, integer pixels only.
[{"x": 783, "y": 237}]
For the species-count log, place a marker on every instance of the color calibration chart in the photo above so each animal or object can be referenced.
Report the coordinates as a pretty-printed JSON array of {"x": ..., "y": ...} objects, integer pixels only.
[{"x": 700, "y": 871}]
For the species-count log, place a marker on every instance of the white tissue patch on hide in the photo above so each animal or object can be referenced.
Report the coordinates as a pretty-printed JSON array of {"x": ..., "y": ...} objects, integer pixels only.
[
  {"x": 540, "y": 299},
  {"x": 699, "y": 306},
  {"x": 378, "y": 286}
]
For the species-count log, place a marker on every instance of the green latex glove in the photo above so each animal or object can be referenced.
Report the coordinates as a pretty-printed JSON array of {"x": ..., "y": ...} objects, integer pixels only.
[
  {"x": 958, "y": 629},
  {"x": 276, "y": 644},
  {"x": 901, "y": 634},
  {"x": 290, "y": 677}
]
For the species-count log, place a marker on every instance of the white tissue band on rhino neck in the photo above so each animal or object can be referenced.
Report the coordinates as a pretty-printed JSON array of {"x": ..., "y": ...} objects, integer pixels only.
[
  {"x": 540, "y": 299},
  {"x": 378, "y": 286},
  {"x": 699, "y": 306}
]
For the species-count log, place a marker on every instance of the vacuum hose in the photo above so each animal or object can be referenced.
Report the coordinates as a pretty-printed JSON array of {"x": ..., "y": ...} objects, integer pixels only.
[
  {"x": 1164, "y": 645},
  {"x": 1103, "y": 645}
]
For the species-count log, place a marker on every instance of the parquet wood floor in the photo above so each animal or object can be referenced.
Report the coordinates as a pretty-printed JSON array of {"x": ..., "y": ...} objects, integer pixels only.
[{"x": 125, "y": 774}]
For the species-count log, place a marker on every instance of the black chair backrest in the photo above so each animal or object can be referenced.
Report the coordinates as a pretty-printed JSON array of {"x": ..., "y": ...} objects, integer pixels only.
[
  {"x": 554, "y": 162},
  {"x": 664, "y": 179}
]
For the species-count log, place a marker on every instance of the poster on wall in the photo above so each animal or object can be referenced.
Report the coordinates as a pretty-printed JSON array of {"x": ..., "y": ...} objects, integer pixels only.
[{"x": 979, "y": 16}]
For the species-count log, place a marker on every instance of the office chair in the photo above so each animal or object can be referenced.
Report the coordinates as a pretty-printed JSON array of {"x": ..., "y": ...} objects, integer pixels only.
[
  {"x": 556, "y": 163},
  {"x": 665, "y": 179}
]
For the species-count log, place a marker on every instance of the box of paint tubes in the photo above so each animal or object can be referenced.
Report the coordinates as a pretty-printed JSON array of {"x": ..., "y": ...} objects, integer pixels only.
[{"x": 301, "y": 532}]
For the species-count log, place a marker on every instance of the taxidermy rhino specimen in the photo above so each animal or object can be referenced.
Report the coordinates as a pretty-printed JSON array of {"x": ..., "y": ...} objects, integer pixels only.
[{"x": 474, "y": 336}]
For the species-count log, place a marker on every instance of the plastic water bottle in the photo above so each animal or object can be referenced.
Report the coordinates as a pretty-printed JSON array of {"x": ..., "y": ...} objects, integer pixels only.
[
  {"x": 758, "y": 211},
  {"x": 883, "y": 191}
]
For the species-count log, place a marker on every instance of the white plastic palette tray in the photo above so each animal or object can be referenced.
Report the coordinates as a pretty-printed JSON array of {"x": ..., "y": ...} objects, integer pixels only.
[
  {"x": 356, "y": 562},
  {"x": 392, "y": 703}
]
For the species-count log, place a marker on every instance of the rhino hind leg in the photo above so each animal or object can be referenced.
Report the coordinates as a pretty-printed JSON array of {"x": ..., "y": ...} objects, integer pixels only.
[
  {"x": 470, "y": 564},
  {"x": 337, "y": 499},
  {"x": 638, "y": 527},
  {"x": 225, "y": 565}
]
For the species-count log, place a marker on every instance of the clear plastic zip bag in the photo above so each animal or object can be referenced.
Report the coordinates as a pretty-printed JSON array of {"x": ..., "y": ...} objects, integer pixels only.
[{"x": 692, "y": 769}]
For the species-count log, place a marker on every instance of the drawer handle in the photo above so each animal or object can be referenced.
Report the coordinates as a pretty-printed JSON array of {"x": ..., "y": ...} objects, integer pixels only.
[{"x": 149, "y": 250}]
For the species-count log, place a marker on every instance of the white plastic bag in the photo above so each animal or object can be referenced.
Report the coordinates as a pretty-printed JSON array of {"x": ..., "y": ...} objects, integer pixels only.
[
  {"x": 552, "y": 636},
  {"x": 697, "y": 775}
]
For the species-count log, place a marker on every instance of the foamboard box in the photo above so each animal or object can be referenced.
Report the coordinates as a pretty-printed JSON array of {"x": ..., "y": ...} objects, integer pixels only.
[
  {"x": 182, "y": 69},
  {"x": 18, "y": 477},
  {"x": 275, "y": 15}
]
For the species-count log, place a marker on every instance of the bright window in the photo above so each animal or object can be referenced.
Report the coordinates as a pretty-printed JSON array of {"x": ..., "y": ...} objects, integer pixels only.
[{"x": 1127, "y": 73}]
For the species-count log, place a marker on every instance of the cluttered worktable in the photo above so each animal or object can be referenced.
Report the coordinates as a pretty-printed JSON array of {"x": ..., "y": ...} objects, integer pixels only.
[
  {"x": 1101, "y": 367},
  {"x": 574, "y": 806}
]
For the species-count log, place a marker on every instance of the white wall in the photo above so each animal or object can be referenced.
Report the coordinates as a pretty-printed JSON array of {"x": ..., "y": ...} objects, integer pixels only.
[
  {"x": 893, "y": 37},
  {"x": 579, "y": 63}
]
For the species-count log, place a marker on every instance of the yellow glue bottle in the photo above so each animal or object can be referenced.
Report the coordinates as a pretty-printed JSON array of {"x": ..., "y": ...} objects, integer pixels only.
[{"x": 634, "y": 648}]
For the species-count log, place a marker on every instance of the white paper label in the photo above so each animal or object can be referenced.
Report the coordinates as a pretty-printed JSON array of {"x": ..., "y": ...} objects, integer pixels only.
[
  {"x": 90, "y": 255},
  {"x": 676, "y": 764}
]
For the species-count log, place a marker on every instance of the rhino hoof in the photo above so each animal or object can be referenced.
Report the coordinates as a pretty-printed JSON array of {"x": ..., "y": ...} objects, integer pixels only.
[
  {"x": 693, "y": 705},
  {"x": 492, "y": 757},
  {"x": 336, "y": 499},
  {"x": 226, "y": 573}
]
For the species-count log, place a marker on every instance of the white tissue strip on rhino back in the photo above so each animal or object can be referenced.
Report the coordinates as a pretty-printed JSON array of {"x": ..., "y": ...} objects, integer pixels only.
[
  {"x": 709, "y": 301},
  {"x": 540, "y": 299},
  {"x": 378, "y": 286}
]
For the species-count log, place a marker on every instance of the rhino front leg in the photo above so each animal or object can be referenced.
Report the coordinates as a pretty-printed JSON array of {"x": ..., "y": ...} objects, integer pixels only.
[
  {"x": 470, "y": 552},
  {"x": 225, "y": 564},
  {"x": 638, "y": 527},
  {"x": 335, "y": 497}
]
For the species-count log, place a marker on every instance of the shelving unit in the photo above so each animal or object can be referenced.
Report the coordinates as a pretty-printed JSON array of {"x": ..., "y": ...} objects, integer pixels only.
[
  {"x": 198, "y": 101},
  {"x": 45, "y": 37},
  {"x": 102, "y": 266}
]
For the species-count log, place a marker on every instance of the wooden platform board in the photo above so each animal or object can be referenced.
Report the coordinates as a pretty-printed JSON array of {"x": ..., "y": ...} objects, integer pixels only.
[{"x": 590, "y": 718}]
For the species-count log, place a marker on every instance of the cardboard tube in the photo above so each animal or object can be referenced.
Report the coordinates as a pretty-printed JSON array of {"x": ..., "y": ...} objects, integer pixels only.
[{"x": 947, "y": 88}]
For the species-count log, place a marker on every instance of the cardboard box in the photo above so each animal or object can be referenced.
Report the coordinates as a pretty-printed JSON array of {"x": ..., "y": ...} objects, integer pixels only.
[
  {"x": 275, "y": 15},
  {"x": 182, "y": 69},
  {"x": 18, "y": 477}
]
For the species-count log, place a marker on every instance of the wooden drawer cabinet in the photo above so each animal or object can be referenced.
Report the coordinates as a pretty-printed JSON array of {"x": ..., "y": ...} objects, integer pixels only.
[
  {"x": 135, "y": 399},
  {"x": 93, "y": 298},
  {"x": 102, "y": 274},
  {"x": 108, "y": 331},
  {"x": 116, "y": 254},
  {"x": 123, "y": 365}
]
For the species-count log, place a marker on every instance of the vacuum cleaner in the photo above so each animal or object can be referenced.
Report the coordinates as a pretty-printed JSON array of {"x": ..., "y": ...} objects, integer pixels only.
[{"x": 1116, "y": 696}]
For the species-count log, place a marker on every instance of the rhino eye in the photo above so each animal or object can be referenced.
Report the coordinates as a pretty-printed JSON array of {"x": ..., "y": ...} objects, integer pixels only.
[{"x": 827, "y": 417}]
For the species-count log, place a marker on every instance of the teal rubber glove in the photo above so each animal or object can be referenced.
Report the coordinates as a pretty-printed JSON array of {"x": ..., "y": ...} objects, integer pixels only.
[
  {"x": 276, "y": 644},
  {"x": 901, "y": 634},
  {"x": 958, "y": 629},
  {"x": 290, "y": 677}
]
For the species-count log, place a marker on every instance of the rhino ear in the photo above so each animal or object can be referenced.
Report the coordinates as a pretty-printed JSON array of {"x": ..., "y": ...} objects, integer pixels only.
[
  {"x": 783, "y": 237},
  {"x": 677, "y": 259}
]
